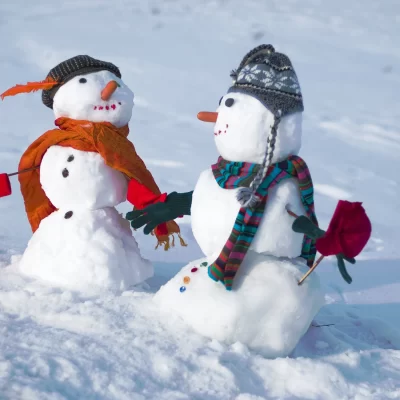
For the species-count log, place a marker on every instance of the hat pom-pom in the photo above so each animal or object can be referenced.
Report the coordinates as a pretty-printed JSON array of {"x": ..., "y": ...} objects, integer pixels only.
[
  {"x": 247, "y": 198},
  {"x": 233, "y": 74}
]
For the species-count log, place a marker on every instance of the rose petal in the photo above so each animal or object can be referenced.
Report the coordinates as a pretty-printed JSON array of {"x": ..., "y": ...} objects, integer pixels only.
[{"x": 348, "y": 231}]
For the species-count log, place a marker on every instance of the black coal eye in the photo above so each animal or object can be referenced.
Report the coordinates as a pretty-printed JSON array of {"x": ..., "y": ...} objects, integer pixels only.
[
  {"x": 82, "y": 80},
  {"x": 220, "y": 100},
  {"x": 229, "y": 102}
]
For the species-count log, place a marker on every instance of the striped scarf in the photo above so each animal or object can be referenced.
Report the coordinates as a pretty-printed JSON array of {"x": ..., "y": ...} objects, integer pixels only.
[{"x": 231, "y": 175}]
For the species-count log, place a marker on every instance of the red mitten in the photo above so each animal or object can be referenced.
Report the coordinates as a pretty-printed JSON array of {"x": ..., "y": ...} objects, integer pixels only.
[
  {"x": 141, "y": 196},
  {"x": 348, "y": 231},
  {"x": 5, "y": 185}
]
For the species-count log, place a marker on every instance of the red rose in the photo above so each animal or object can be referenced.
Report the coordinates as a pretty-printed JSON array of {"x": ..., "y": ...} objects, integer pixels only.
[{"x": 348, "y": 231}]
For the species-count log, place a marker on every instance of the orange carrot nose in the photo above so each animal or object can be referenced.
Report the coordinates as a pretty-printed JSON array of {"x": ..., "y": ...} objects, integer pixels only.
[
  {"x": 207, "y": 116},
  {"x": 109, "y": 89}
]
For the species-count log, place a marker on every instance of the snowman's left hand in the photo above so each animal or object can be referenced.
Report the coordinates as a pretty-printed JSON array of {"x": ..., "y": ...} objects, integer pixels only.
[
  {"x": 150, "y": 216},
  {"x": 176, "y": 205}
]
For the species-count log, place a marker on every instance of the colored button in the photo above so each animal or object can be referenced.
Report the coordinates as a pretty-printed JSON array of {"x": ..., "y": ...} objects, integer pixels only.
[
  {"x": 186, "y": 280},
  {"x": 182, "y": 289},
  {"x": 194, "y": 269}
]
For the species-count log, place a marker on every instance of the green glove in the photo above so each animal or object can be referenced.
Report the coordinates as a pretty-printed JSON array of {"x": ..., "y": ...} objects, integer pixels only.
[
  {"x": 303, "y": 225},
  {"x": 175, "y": 205}
]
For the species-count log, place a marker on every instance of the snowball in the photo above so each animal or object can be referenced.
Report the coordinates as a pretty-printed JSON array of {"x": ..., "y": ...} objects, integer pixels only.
[
  {"x": 241, "y": 131},
  {"x": 87, "y": 251},
  {"x": 214, "y": 211},
  {"x": 76, "y": 179},
  {"x": 82, "y": 100},
  {"x": 266, "y": 310}
]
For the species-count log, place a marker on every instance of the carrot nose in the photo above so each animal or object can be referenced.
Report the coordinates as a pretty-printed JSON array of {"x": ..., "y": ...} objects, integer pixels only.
[
  {"x": 108, "y": 90},
  {"x": 207, "y": 116}
]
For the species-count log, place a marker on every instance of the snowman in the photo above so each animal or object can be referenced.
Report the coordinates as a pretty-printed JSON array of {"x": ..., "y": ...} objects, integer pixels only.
[
  {"x": 73, "y": 177},
  {"x": 246, "y": 288}
]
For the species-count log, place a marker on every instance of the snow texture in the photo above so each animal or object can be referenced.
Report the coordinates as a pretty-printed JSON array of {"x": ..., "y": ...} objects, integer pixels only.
[
  {"x": 267, "y": 310},
  {"x": 176, "y": 55},
  {"x": 81, "y": 99}
]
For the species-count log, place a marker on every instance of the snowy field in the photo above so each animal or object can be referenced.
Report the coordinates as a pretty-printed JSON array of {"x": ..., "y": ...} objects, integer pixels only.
[{"x": 176, "y": 55}]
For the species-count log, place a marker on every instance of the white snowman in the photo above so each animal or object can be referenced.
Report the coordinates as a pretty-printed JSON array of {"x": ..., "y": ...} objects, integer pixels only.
[
  {"x": 84, "y": 244},
  {"x": 258, "y": 129}
]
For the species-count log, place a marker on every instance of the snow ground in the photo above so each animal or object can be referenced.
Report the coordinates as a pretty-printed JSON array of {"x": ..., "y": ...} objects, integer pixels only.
[{"x": 176, "y": 55}]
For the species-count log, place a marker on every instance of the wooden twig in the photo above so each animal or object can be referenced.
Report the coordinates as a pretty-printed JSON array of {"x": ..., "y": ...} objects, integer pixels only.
[
  {"x": 291, "y": 213},
  {"x": 24, "y": 170},
  {"x": 310, "y": 270}
]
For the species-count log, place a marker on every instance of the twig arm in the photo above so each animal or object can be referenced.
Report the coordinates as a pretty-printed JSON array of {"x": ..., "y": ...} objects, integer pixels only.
[{"x": 24, "y": 170}]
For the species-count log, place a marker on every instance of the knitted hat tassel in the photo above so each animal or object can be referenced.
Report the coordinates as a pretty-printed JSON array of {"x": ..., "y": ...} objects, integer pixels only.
[{"x": 247, "y": 197}]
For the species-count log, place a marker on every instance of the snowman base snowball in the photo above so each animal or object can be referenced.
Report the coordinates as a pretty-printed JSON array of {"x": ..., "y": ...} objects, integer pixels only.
[
  {"x": 92, "y": 251},
  {"x": 266, "y": 310}
]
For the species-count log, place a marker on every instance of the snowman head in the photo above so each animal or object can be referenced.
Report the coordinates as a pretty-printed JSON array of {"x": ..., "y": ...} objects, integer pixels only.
[
  {"x": 97, "y": 97},
  {"x": 83, "y": 88},
  {"x": 259, "y": 119},
  {"x": 242, "y": 128}
]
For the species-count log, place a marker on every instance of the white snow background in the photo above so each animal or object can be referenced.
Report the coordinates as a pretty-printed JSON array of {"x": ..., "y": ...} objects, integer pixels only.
[{"x": 176, "y": 55}]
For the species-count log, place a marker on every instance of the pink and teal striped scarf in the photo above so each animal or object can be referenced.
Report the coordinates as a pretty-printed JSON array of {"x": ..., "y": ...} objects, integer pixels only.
[{"x": 231, "y": 175}]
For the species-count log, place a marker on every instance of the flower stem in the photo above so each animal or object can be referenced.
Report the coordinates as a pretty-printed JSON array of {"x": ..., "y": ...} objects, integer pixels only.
[{"x": 311, "y": 270}]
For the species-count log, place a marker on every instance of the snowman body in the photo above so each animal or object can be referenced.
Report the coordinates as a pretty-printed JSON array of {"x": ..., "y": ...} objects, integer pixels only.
[
  {"x": 240, "y": 138},
  {"x": 86, "y": 245},
  {"x": 266, "y": 309},
  {"x": 214, "y": 211}
]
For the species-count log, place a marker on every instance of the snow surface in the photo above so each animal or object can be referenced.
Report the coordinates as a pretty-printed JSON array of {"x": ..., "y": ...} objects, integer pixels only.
[
  {"x": 176, "y": 56},
  {"x": 82, "y": 100},
  {"x": 267, "y": 310}
]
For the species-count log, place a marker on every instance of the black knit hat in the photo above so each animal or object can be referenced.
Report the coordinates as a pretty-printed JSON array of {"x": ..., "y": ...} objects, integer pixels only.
[{"x": 78, "y": 65}]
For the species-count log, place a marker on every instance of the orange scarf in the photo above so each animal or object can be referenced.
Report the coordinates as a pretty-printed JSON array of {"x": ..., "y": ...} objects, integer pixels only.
[{"x": 100, "y": 137}]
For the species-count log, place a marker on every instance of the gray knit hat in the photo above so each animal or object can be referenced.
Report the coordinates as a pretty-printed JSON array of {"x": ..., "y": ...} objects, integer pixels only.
[
  {"x": 269, "y": 77},
  {"x": 78, "y": 65}
]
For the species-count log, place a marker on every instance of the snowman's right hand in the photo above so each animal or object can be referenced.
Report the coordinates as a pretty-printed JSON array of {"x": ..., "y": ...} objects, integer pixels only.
[{"x": 176, "y": 205}]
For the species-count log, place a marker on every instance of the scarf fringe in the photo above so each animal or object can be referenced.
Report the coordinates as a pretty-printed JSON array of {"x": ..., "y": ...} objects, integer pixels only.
[{"x": 169, "y": 241}]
